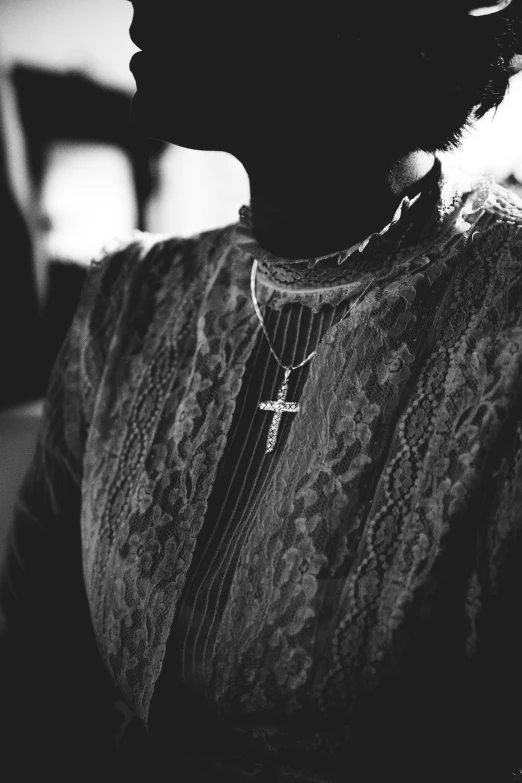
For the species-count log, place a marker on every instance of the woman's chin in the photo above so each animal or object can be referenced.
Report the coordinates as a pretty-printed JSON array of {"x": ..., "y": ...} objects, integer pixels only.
[{"x": 155, "y": 118}]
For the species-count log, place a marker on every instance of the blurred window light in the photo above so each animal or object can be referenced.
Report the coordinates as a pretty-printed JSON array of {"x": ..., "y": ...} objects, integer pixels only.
[
  {"x": 494, "y": 145},
  {"x": 198, "y": 191},
  {"x": 89, "y": 35},
  {"x": 87, "y": 199}
]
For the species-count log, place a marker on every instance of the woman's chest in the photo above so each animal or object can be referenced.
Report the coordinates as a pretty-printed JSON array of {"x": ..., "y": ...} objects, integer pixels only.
[{"x": 334, "y": 543}]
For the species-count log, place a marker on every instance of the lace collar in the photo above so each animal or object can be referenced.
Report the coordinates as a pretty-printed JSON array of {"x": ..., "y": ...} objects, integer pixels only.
[{"x": 451, "y": 205}]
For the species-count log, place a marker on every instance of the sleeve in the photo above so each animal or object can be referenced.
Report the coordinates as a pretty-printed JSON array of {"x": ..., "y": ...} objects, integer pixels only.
[
  {"x": 57, "y": 701},
  {"x": 494, "y": 608}
]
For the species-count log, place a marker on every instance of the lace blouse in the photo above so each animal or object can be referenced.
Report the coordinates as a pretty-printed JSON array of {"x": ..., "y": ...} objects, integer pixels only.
[{"x": 345, "y": 608}]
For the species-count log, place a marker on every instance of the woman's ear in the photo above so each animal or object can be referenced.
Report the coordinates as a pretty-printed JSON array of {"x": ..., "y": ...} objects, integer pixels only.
[{"x": 484, "y": 10}]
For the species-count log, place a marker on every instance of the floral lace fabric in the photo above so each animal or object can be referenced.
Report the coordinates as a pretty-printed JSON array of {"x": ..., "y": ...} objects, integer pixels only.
[{"x": 374, "y": 593}]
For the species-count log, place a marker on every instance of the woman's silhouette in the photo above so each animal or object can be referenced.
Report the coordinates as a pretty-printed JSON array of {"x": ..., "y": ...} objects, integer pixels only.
[{"x": 275, "y": 505}]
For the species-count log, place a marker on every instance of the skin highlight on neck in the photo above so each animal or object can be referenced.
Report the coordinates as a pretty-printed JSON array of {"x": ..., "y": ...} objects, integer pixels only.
[{"x": 327, "y": 202}]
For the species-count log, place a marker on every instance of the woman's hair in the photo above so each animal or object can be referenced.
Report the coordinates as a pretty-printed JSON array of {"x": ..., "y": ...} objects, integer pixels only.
[
  {"x": 482, "y": 55},
  {"x": 407, "y": 74},
  {"x": 438, "y": 66}
]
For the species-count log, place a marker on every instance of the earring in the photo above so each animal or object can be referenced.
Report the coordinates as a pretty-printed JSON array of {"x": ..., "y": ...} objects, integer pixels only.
[{"x": 484, "y": 10}]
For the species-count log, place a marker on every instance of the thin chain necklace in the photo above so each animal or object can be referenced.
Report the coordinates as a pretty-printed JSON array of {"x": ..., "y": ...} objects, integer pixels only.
[{"x": 281, "y": 405}]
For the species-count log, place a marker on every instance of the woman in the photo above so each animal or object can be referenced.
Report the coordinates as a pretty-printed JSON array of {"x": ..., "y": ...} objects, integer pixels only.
[{"x": 277, "y": 491}]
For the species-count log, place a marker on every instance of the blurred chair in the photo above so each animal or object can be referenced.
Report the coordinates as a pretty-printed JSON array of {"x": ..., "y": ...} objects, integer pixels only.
[
  {"x": 18, "y": 433},
  {"x": 93, "y": 173},
  {"x": 71, "y": 106},
  {"x": 20, "y": 317}
]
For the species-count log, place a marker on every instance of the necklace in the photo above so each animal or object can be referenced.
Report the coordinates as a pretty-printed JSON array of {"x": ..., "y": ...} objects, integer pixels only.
[{"x": 281, "y": 404}]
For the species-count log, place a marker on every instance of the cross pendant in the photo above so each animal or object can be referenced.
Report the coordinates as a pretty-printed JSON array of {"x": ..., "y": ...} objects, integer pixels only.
[{"x": 278, "y": 407}]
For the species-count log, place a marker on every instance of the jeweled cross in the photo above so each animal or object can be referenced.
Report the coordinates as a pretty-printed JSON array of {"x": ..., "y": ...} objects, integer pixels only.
[{"x": 278, "y": 407}]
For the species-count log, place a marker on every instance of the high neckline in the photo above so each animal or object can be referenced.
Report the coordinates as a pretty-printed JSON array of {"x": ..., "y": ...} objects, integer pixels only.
[{"x": 447, "y": 203}]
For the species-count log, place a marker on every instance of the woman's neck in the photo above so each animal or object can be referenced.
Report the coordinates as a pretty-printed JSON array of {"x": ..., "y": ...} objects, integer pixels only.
[{"x": 312, "y": 207}]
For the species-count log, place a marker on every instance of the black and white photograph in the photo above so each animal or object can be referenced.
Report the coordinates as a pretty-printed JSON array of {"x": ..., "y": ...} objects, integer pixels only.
[{"x": 261, "y": 391}]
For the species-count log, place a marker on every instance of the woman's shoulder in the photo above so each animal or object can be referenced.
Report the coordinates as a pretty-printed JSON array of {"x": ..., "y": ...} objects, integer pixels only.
[
  {"x": 505, "y": 206},
  {"x": 498, "y": 238},
  {"x": 139, "y": 286},
  {"x": 492, "y": 213},
  {"x": 144, "y": 265},
  {"x": 142, "y": 257},
  {"x": 137, "y": 293},
  {"x": 493, "y": 209}
]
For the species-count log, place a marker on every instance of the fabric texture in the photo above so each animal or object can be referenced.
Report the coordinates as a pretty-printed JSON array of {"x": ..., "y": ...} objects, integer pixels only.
[{"x": 356, "y": 614}]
